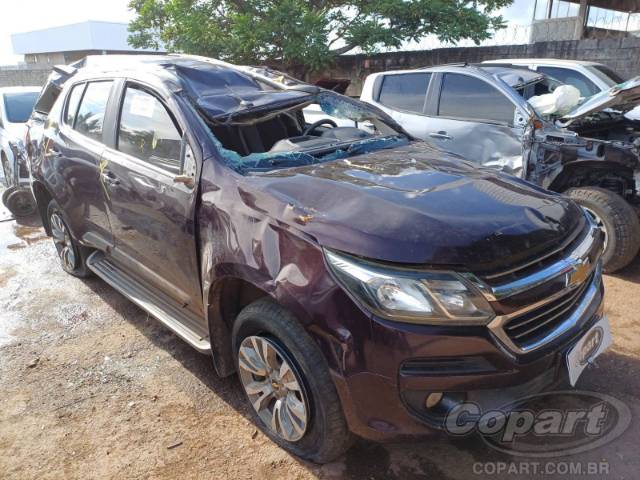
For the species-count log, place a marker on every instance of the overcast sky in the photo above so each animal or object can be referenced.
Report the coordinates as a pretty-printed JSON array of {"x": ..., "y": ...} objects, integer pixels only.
[{"x": 18, "y": 16}]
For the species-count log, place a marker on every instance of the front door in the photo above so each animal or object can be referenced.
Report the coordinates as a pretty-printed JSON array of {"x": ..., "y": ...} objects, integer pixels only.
[
  {"x": 476, "y": 120},
  {"x": 152, "y": 217}
]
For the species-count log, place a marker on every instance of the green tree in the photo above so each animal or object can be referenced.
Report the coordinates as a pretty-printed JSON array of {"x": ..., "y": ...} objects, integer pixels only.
[{"x": 306, "y": 34}]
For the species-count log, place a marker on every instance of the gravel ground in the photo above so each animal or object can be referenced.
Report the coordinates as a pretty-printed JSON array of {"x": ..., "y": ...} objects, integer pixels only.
[{"x": 91, "y": 387}]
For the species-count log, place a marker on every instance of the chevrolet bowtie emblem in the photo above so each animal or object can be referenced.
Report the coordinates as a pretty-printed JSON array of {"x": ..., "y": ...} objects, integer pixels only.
[{"x": 579, "y": 274}]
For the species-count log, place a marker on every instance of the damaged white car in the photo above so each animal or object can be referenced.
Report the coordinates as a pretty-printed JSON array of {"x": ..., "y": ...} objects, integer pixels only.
[{"x": 585, "y": 148}]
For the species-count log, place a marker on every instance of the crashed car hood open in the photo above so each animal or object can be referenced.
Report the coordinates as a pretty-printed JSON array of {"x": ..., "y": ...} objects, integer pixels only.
[
  {"x": 622, "y": 97},
  {"x": 409, "y": 205}
]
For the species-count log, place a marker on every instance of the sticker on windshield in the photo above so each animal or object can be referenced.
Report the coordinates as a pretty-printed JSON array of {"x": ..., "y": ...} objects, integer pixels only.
[{"x": 142, "y": 106}]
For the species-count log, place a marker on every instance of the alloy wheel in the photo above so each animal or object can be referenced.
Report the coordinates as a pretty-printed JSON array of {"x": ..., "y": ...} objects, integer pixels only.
[
  {"x": 273, "y": 387},
  {"x": 62, "y": 241}
]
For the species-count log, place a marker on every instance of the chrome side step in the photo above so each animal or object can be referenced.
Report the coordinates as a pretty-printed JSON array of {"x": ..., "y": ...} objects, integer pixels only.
[{"x": 178, "y": 319}]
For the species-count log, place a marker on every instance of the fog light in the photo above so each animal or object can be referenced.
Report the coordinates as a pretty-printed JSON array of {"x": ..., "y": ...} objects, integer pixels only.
[{"x": 433, "y": 399}]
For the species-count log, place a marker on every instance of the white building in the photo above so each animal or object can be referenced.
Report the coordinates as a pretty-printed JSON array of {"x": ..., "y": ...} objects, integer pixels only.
[{"x": 68, "y": 43}]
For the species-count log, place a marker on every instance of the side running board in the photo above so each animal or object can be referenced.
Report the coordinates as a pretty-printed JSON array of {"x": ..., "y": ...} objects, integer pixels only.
[{"x": 178, "y": 319}]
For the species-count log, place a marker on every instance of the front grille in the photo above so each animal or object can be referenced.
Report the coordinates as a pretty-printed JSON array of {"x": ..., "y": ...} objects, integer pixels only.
[
  {"x": 550, "y": 299},
  {"x": 532, "y": 266},
  {"x": 534, "y": 325}
]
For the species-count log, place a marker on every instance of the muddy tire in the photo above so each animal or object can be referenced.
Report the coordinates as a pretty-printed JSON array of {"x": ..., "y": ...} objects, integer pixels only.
[
  {"x": 19, "y": 201},
  {"x": 618, "y": 220},
  {"x": 312, "y": 426},
  {"x": 71, "y": 255}
]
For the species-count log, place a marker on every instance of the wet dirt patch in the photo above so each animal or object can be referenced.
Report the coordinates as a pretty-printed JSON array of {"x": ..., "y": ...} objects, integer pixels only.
[{"x": 29, "y": 234}]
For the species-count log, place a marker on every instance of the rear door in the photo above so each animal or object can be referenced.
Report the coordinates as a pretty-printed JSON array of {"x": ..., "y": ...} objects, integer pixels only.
[
  {"x": 152, "y": 216},
  {"x": 72, "y": 152},
  {"x": 474, "y": 119}
]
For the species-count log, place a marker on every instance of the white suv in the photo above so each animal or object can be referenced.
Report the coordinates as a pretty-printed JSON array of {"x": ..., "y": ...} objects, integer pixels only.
[{"x": 16, "y": 105}]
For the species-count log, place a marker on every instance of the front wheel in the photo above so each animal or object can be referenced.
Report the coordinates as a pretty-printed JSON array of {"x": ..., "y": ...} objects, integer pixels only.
[
  {"x": 287, "y": 383},
  {"x": 618, "y": 221},
  {"x": 72, "y": 256}
]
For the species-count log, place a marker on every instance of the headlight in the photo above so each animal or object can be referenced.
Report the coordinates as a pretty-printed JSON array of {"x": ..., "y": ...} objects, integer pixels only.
[{"x": 415, "y": 296}]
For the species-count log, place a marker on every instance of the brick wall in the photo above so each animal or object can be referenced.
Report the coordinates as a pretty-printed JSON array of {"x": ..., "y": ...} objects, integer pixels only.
[{"x": 621, "y": 54}]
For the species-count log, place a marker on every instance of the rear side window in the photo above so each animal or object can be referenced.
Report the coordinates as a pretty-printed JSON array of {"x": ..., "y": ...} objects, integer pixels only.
[
  {"x": 611, "y": 74},
  {"x": 147, "y": 130},
  {"x": 571, "y": 77},
  {"x": 405, "y": 91},
  {"x": 72, "y": 104},
  {"x": 18, "y": 106},
  {"x": 466, "y": 97},
  {"x": 90, "y": 117}
]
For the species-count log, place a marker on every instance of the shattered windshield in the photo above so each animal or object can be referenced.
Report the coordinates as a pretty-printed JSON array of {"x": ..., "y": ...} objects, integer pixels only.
[{"x": 299, "y": 126}]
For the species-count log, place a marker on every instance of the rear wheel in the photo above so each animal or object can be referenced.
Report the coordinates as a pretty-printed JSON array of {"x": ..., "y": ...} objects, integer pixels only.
[
  {"x": 72, "y": 256},
  {"x": 288, "y": 384},
  {"x": 618, "y": 221}
]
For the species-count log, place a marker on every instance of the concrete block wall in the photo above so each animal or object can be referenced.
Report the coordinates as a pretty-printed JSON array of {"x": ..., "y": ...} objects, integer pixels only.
[
  {"x": 621, "y": 54},
  {"x": 22, "y": 77}
]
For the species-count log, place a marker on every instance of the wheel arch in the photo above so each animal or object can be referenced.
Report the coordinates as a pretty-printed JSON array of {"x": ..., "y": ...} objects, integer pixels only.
[
  {"x": 43, "y": 197},
  {"x": 609, "y": 175},
  {"x": 226, "y": 299}
]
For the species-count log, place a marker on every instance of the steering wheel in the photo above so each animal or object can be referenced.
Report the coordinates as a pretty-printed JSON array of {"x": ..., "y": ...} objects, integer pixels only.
[{"x": 314, "y": 125}]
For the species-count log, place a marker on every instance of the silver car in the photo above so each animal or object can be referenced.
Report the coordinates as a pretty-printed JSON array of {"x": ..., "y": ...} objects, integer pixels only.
[{"x": 481, "y": 112}]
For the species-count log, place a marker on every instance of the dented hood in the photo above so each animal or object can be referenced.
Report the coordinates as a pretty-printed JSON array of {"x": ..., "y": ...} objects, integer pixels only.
[
  {"x": 622, "y": 97},
  {"x": 409, "y": 205}
]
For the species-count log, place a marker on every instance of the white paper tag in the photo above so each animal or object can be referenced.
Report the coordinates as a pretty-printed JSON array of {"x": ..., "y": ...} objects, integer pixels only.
[
  {"x": 592, "y": 344},
  {"x": 142, "y": 106}
]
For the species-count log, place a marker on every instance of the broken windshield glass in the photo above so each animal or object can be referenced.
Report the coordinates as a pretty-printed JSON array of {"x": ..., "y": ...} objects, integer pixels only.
[{"x": 294, "y": 127}]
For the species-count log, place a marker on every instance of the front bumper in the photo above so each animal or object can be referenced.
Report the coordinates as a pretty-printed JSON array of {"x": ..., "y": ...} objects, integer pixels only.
[{"x": 405, "y": 363}]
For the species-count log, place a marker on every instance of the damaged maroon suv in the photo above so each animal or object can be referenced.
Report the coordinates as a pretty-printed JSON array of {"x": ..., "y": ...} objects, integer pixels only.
[{"x": 356, "y": 280}]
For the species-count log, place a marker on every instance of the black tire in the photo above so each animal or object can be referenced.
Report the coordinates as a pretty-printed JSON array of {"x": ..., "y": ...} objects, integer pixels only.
[
  {"x": 327, "y": 435},
  {"x": 618, "y": 219},
  {"x": 20, "y": 202},
  {"x": 78, "y": 268}
]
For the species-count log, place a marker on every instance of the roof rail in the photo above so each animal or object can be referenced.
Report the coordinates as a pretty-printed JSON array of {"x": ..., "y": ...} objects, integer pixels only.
[{"x": 453, "y": 64}]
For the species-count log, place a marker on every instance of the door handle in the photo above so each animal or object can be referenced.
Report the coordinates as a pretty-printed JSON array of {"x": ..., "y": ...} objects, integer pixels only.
[
  {"x": 109, "y": 178},
  {"x": 54, "y": 153},
  {"x": 441, "y": 135},
  {"x": 185, "y": 180}
]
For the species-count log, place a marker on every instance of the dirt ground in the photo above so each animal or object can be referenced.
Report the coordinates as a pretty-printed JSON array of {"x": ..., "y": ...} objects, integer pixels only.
[{"x": 91, "y": 387}]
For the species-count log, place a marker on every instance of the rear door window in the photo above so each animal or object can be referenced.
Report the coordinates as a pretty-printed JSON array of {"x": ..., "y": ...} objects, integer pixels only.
[
  {"x": 405, "y": 91},
  {"x": 469, "y": 98},
  {"x": 571, "y": 77},
  {"x": 90, "y": 117},
  {"x": 72, "y": 104},
  {"x": 147, "y": 130}
]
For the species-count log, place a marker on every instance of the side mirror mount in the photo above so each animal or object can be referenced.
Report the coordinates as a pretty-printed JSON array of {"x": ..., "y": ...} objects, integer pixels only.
[
  {"x": 187, "y": 172},
  {"x": 519, "y": 119}
]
